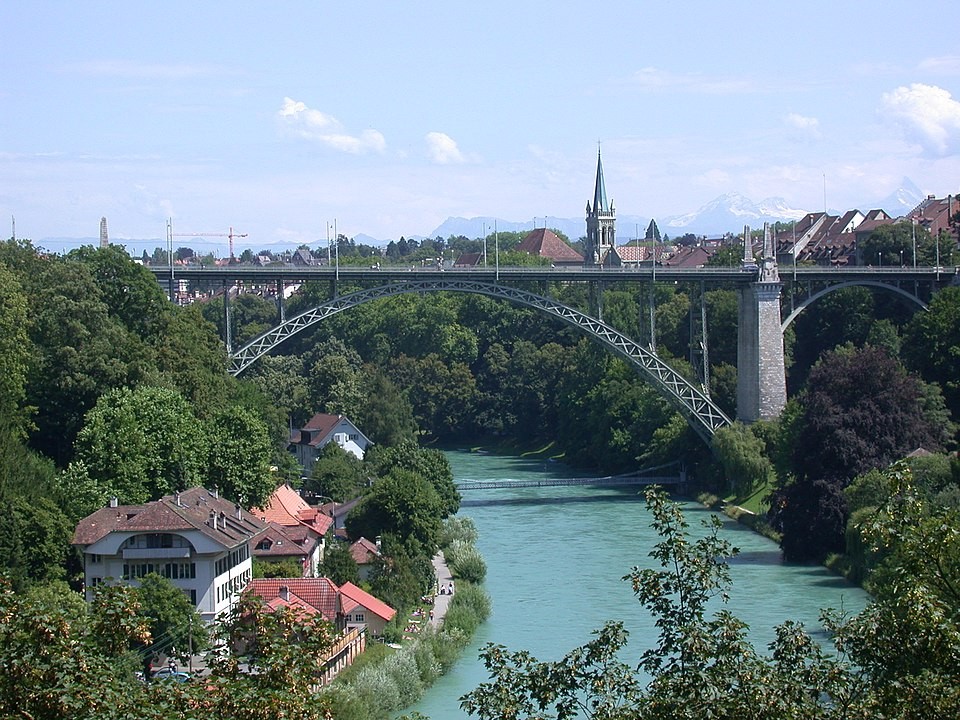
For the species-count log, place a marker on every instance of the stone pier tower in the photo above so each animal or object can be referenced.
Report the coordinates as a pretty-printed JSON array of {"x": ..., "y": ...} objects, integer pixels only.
[{"x": 761, "y": 377}]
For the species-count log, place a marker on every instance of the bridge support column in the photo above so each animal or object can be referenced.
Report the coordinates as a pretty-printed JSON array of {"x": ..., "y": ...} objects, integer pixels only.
[
  {"x": 761, "y": 377},
  {"x": 228, "y": 340}
]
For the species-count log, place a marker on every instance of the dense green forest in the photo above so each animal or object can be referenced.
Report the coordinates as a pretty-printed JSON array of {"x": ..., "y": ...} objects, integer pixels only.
[{"x": 106, "y": 390}]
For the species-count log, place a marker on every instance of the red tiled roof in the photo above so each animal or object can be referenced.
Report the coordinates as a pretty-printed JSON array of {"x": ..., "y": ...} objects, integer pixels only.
[
  {"x": 283, "y": 543},
  {"x": 192, "y": 509},
  {"x": 317, "y": 594},
  {"x": 351, "y": 596},
  {"x": 364, "y": 552},
  {"x": 688, "y": 257},
  {"x": 546, "y": 243},
  {"x": 286, "y": 507}
]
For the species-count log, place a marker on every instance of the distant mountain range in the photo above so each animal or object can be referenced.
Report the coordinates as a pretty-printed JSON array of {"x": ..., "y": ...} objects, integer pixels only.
[{"x": 726, "y": 213}]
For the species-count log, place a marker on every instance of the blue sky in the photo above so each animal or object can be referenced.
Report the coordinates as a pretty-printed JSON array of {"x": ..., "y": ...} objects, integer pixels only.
[{"x": 277, "y": 118}]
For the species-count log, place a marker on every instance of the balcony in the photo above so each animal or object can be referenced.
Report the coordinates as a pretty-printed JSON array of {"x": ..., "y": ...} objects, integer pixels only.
[{"x": 155, "y": 553}]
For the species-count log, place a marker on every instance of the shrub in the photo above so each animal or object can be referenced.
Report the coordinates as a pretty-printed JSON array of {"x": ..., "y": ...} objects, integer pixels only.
[
  {"x": 427, "y": 665},
  {"x": 402, "y": 667},
  {"x": 457, "y": 528},
  {"x": 378, "y": 690},
  {"x": 467, "y": 564}
]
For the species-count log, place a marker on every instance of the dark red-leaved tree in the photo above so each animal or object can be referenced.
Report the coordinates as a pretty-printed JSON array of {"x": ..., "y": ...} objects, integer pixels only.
[{"x": 861, "y": 411}]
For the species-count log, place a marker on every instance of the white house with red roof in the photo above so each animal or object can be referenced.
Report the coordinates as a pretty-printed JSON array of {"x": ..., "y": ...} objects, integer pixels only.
[
  {"x": 347, "y": 607},
  {"x": 199, "y": 541},
  {"x": 360, "y": 609},
  {"x": 291, "y": 519},
  {"x": 323, "y": 428}
]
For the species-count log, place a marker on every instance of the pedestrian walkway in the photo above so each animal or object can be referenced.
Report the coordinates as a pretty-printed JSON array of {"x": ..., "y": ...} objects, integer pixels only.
[{"x": 444, "y": 580}]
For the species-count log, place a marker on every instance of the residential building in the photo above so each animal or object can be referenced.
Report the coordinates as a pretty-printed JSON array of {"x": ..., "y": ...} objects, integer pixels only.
[
  {"x": 347, "y": 607},
  {"x": 362, "y": 610},
  {"x": 470, "y": 259},
  {"x": 307, "y": 442},
  {"x": 292, "y": 520},
  {"x": 314, "y": 596},
  {"x": 633, "y": 256},
  {"x": 938, "y": 216},
  {"x": 199, "y": 541},
  {"x": 279, "y": 544},
  {"x": 828, "y": 240},
  {"x": 365, "y": 554}
]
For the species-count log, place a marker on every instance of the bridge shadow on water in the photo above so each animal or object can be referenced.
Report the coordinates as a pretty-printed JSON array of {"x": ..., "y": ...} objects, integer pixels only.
[{"x": 570, "y": 500}]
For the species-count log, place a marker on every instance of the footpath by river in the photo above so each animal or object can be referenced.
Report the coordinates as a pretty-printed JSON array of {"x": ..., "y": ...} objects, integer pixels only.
[{"x": 555, "y": 558}]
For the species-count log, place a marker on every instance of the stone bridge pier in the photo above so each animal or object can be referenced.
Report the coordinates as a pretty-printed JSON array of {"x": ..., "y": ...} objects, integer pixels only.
[{"x": 761, "y": 376}]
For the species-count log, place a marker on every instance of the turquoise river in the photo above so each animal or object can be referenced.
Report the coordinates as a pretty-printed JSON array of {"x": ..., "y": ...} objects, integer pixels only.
[{"x": 556, "y": 555}]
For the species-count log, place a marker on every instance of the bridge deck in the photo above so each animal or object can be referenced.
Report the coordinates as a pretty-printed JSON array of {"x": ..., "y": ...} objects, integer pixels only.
[{"x": 349, "y": 274}]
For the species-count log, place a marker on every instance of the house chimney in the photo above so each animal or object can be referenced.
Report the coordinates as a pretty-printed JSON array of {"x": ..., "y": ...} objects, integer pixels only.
[
  {"x": 213, "y": 520},
  {"x": 113, "y": 501},
  {"x": 239, "y": 512},
  {"x": 285, "y": 593},
  {"x": 378, "y": 542}
]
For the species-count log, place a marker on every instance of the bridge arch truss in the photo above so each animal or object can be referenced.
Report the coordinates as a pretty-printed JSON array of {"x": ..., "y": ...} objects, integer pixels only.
[
  {"x": 700, "y": 411},
  {"x": 907, "y": 296}
]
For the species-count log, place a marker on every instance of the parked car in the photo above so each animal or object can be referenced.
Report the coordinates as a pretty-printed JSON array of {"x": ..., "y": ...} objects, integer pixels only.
[{"x": 171, "y": 675}]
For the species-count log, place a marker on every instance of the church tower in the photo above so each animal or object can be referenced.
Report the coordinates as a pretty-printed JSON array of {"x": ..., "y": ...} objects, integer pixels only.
[{"x": 601, "y": 222}]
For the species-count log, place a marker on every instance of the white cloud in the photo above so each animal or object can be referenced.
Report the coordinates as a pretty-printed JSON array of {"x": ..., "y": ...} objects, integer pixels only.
[
  {"x": 801, "y": 122},
  {"x": 806, "y": 126},
  {"x": 443, "y": 149},
  {"x": 139, "y": 70},
  {"x": 304, "y": 122},
  {"x": 928, "y": 115},
  {"x": 651, "y": 78},
  {"x": 942, "y": 65}
]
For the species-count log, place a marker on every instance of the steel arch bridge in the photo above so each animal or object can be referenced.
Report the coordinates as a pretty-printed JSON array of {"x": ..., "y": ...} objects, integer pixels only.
[
  {"x": 909, "y": 297},
  {"x": 700, "y": 411}
]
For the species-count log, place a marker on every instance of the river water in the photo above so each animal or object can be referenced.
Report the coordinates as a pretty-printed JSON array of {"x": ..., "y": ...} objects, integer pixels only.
[{"x": 556, "y": 555}]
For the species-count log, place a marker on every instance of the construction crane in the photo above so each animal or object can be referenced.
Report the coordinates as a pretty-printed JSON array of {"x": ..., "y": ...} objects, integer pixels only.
[{"x": 230, "y": 235}]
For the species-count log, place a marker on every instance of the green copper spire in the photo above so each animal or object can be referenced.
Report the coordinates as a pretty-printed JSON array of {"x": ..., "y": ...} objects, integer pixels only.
[{"x": 600, "y": 192}]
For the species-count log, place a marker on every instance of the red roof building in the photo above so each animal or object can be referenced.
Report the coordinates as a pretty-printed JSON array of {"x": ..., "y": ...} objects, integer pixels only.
[
  {"x": 346, "y": 607},
  {"x": 547, "y": 244},
  {"x": 300, "y": 522}
]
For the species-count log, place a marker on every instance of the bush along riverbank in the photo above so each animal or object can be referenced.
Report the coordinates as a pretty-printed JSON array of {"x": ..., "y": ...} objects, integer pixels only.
[{"x": 392, "y": 679}]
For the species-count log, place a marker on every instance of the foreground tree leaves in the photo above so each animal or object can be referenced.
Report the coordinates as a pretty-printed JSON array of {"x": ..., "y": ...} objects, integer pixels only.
[{"x": 63, "y": 659}]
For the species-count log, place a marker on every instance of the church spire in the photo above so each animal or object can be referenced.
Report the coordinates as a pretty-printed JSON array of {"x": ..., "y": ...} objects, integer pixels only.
[
  {"x": 600, "y": 191},
  {"x": 601, "y": 222}
]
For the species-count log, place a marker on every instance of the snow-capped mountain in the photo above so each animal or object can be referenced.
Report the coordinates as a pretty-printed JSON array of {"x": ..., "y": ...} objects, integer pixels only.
[
  {"x": 902, "y": 200},
  {"x": 730, "y": 212}
]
